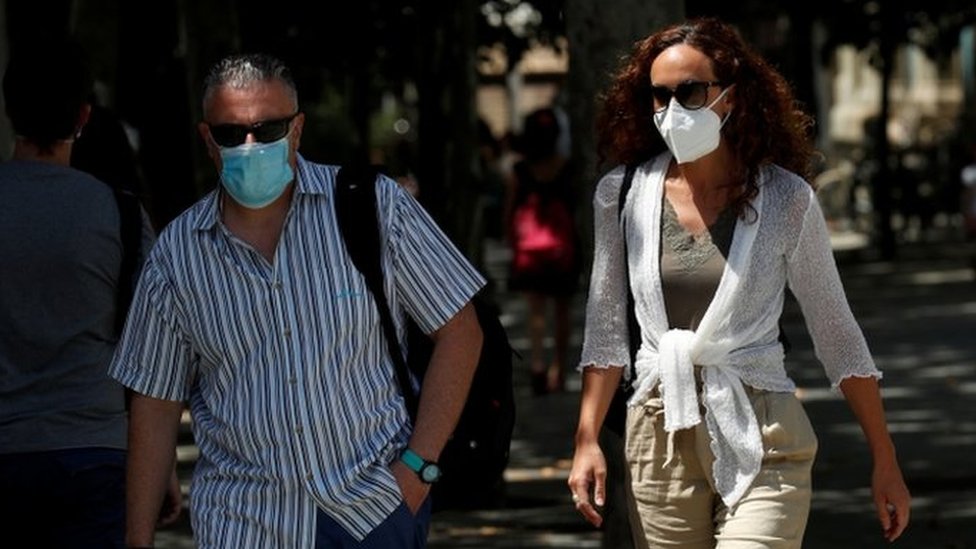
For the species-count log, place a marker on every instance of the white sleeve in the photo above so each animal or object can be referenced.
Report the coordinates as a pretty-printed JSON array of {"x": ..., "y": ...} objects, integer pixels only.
[
  {"x": 812, "y": 274},
  {"x": 605, "y": 336}
]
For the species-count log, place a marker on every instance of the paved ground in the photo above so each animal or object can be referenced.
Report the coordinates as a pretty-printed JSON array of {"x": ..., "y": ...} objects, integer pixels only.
[{"x": 919, "y": 315}]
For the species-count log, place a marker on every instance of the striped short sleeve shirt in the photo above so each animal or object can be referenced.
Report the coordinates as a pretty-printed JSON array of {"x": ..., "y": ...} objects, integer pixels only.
[{"x": 293, "y": 395}]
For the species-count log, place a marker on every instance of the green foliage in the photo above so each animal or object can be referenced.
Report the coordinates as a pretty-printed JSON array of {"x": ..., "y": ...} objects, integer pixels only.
[{"x": 517, "y": 24}]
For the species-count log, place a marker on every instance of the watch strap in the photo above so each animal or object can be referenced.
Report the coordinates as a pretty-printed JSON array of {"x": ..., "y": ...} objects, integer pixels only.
[{"x": 412, "y": 460}]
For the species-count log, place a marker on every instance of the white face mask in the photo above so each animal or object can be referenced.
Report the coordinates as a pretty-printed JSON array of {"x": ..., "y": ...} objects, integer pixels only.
[{"x": 690, "y": 134}]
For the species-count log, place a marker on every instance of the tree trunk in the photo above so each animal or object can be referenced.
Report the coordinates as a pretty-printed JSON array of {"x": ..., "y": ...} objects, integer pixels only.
[
  {"x": 600, "y": 33},
  {"x": 6, "y": 131},
  {"x": 881, "y": 186},
  {"x": 153, "y": 96},
  {"x": 447, "y": 115}
]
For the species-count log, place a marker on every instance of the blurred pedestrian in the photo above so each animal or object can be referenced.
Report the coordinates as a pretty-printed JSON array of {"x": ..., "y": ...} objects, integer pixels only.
[
  {"x": 967, "y": 202},
  {"x": 541, "y": 229},
  {"x": 62, "y": 418},
  {"x": 105, "y": 150},
  {"x": 250, "y": 309},
  {"x": 491, "y": 182},
  {"x": 718, "y": 222}
]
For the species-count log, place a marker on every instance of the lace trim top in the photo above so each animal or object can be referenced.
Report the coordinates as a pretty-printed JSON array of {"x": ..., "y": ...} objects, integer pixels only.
[{"x": 692, "y": 265}]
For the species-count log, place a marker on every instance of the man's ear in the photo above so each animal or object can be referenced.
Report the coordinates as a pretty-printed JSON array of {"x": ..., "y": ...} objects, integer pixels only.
[
  {"x": 299, "y": 123},
  {"x": 204, "y": 130}
]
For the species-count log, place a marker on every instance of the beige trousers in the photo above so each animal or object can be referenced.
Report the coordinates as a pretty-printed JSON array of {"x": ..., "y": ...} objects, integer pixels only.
[{"x": 676, "y": 505}]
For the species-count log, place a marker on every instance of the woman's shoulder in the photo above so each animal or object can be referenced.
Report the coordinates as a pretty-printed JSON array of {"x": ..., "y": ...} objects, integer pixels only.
[
  {"x": 785, "y": 184},
  {"x": 786, "y": 195},
  {"x": 610, "y": 182},
  {"x": 779, "y": 176}
]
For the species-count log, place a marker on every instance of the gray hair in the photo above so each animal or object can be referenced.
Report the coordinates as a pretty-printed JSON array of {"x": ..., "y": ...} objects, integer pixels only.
[{"x": 241, "y": 70}]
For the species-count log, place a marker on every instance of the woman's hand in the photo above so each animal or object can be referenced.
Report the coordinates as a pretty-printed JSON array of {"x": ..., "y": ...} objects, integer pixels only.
[
  {"x": 589, "y": 472},
  {"x": 891, "y": 499}
]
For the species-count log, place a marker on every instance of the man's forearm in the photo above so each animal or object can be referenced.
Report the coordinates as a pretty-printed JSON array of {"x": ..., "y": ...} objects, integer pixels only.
[
  {"x": 457, "y": 347},
  {"x": 153, "y": 427}
]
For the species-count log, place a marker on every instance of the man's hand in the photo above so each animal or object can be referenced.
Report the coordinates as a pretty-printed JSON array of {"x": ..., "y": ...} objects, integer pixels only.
[
  {"x": 172, "y": 502},
  {"x": 414, "y": 490}
]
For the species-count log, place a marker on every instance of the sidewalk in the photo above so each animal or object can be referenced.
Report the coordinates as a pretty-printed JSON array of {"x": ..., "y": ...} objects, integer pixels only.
[{"x": 919, "y": 316}]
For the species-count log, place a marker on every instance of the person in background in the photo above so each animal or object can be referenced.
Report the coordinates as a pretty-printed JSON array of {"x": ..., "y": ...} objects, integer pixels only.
[
  {"x": 491, "y": 182},
  {"x": 967, "y": 202},
  {"x": 105, "y": 150},
  {"x": 541, "y": 230},
  {"x": 250, "y": 309},
  {"x": 719, "y": 221},
  {"x": 62, "y": 418}
]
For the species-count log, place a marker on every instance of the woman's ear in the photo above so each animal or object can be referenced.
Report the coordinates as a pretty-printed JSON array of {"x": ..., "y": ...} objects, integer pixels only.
[{"x": 729, "y": 99}]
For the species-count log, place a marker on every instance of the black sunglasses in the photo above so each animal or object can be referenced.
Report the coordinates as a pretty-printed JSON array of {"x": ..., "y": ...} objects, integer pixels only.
[
  {"x": 266, "y": 131},
  {"x": 690, "y": 95}
]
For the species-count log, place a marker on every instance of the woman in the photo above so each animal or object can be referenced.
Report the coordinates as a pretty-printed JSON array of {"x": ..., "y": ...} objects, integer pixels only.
[
  {"x": 539, "y": 214},
  {"x": 717, "y": 222}
]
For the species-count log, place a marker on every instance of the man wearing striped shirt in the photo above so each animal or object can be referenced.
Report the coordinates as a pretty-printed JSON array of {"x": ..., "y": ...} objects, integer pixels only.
[{"x": 250, "y": 310}]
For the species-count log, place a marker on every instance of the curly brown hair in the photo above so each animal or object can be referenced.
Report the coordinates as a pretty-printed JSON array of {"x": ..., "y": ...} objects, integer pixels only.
[{"x": 766, "y": 125}]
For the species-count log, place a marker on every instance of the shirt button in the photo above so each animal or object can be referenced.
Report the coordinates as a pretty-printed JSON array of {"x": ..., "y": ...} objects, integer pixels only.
[
  {"x": 309, "y": 477},
  {"x": 276, "y": 284},
  {"x": 292, "y": 380},
  {"x": 298, "y": 429},
  {"x": 287, "y": 332}
]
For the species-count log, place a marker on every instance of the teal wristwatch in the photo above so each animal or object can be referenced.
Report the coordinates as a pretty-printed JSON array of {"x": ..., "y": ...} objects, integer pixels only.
[{"x": 428, "y": 471}]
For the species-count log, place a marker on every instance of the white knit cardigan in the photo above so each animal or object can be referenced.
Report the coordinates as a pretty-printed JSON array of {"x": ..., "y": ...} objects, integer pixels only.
[{"x": 736, "y": 343}]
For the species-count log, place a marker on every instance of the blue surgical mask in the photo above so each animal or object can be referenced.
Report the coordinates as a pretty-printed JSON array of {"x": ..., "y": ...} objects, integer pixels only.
[{"x": 256, "y": 174}]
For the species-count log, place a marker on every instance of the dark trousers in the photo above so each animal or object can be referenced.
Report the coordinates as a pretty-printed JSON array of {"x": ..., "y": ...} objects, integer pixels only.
[
  {"x": 400, "y": 530},
  {"x": 63, "y": 499}
]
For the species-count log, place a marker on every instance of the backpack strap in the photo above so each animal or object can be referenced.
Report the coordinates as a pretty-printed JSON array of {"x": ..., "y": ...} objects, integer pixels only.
[
  {"x": 130, "y": 229},
  {"x": 633, "y": 326},
  {"x": 355, "y": 208}
]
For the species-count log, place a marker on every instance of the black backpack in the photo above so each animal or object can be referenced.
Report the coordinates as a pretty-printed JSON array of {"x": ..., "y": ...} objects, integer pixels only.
[{"x": 474, "y": 460}]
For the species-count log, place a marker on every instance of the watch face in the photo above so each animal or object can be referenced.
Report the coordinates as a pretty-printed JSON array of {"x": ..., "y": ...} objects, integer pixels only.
[{"x": 430, "y": 473}]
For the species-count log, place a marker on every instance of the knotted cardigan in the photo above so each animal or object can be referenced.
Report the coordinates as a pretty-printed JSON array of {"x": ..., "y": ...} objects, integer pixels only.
[{"x": 784, "y": 241}]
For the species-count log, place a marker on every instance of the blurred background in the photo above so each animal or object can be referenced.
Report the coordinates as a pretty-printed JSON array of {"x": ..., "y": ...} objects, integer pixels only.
[{"x": 892, "y": 85}]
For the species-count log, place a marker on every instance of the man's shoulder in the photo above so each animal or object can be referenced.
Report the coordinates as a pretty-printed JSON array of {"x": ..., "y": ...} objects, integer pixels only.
[
  {"x": 200, "y": 215},
  {"x": 315, "y": 177}
]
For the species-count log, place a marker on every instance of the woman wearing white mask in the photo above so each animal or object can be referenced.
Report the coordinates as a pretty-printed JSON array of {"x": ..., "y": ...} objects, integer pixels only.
[{"x": 714, "y": 222}]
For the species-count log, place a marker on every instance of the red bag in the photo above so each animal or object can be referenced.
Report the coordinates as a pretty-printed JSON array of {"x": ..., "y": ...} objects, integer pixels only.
[{"x": 544, "y": 236}]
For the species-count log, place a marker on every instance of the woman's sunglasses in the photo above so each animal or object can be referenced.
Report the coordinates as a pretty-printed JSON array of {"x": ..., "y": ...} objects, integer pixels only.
[
  {"x": 690, "y": 95},
  {"x": 266, "y": 131}
]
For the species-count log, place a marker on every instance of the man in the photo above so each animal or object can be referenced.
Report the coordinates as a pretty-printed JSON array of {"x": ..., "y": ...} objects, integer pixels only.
[
  {"x": 250, "y": 308},
  {"x": 62, "y": 418}
]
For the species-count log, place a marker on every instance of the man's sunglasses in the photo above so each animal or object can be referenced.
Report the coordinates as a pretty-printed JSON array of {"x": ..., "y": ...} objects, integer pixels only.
[
  {"x": 690, "y": 95},
  {"x": 266, "y": 131}
]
